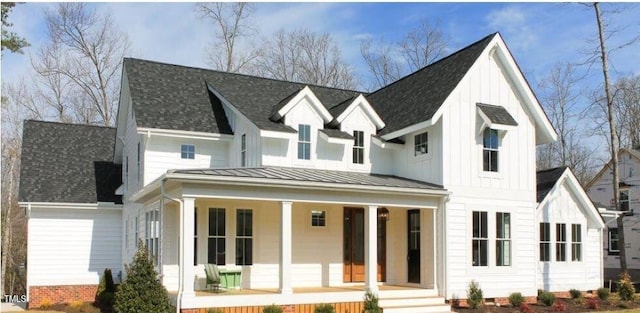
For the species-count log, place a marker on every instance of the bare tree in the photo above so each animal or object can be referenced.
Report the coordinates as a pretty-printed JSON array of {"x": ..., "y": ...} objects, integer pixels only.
[
  {"x": 231, "y": 21},
  {"x": 613, "y": 133},
  {"x": 88, "y": 52},
  {"x": 305, "y": 57},
  {"x": 627, "y": 102},
  {"x": 418, "y": 48},
  {"x": 559, "y": 98}
]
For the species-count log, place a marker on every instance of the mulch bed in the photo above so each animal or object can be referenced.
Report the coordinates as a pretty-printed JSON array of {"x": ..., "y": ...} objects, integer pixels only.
[{"x": 562, "y": 305}]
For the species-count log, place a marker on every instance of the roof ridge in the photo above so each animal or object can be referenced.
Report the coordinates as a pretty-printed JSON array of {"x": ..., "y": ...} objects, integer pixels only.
[
  {"x": 434, "y": 63},
  {"x": 68, "y": 124},
  {"x": 242, "y": 74}
]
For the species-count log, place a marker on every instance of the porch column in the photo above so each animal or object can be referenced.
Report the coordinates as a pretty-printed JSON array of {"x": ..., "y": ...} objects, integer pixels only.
[
  {"x": 186, "y": 245},
  {"x": 371, "y": 248},
  {"x": 285, "y": 248}
]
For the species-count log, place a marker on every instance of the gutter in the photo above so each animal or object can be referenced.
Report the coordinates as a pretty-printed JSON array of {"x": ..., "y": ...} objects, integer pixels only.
[{"x": 181, "y": 252}]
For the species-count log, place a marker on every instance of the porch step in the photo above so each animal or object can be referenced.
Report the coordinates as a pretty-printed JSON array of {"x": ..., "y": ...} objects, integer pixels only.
[{"x": 412, "y": 301}]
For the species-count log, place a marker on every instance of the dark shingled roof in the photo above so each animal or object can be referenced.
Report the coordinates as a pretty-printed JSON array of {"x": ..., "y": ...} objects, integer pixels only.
[
  {"x": 336, "y": 133},
  {"x": 175, "y": 97},
  {"x": 497, "y": 114},
  {"x": 68, "y": 163},
  {"x": 546, "y": 179},
  {"x": 314, "y": 175},
  {"x": 416, "y": 97}
]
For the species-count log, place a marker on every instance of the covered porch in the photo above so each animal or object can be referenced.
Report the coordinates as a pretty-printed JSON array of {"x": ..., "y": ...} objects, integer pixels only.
[{"x": 294, "y": 241}]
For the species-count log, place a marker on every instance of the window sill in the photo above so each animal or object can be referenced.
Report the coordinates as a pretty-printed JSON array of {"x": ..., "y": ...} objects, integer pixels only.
[{"x": 494, "y": 175}]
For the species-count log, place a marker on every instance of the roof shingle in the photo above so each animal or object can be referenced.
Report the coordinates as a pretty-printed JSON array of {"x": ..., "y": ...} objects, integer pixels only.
[
  {"x": 68, "y": 163},
  {"x": 546, "y": 179},
  {"x": 497, "y": 114}
]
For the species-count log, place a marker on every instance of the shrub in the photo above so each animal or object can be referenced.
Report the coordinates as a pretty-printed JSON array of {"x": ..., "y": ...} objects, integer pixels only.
[
  {"x": 272, "y": 309},
  {"x": 142, "y": 290},
  {"x": 105, "y": 295},
  {"x": 559, "y": 307},
  {"x": 516, "y": 299},
  {"x": 575, "y": 293},
  {"x": 626, "y": 291},
  {"x": 324, "y": 308},
  {"x": 46, "y": 303},
  {"x": 474, "y": 295},
  {"x": 547, "y": 298},
  {"x": 603, "y": 293},
  {"x": 525, "y": 308},
  {"x": 593, "y": 304},
  {"x": 214, "y": 310},
  {"x": 371, "y": 303}
]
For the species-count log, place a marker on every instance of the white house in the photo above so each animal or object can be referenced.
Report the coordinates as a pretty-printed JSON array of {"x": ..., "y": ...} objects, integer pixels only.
[
  {"x": 600, "y": 190},
  {"x": 316, "y": 194}
]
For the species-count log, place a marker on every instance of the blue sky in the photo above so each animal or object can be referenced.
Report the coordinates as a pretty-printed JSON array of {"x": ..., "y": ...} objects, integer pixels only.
[{"x": 538, "y": 34}]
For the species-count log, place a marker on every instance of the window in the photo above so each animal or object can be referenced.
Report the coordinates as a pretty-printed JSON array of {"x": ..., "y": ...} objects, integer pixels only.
[
  {"x": 216, "y": 251},
  {"x": 545, "y": 242},
  {"x": 624, "y": 199},
  {"x": 126, "y": 172},
  {"x": 503, "y": 239},
  {"x": 188, "y": 152},
  {"x": 561, "y": 242},
  {"x": 137, "y": 230},
  {"x": 152, "y": 233},
  {"x": 613, "y": 241},
  {"x": 195, "y": 237},
  {"x": 244, "y": 237},
  {"x": 126, "y": 233},
  {"x": 480, "y": 239},
  {"x": 318, "y": 218},
  {"x": 138, "y": 165},
  {"x": 420, "y": 142},
  {"x": 576, "y": 242},
  {"x": 243, "y": 150},
  {"x": 304, "y": 142},
  {"x": 490, "y": 150},
  {"x": 358, "y": 147}
]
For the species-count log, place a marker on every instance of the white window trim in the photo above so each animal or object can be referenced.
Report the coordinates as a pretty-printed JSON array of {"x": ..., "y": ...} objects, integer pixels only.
[
  {"x": 194, "y": 151},
  {"x": 559, "y": 242},
  {"x": 362, "y": 147},
  {"x": 609, "y": 242},
  {"x": 311, "y": 218},
  {"x": 549, "y": 242},
  {"x": 504, "y": 239},
  {"x": 243, "y": 150},
  {"x": 310, "y": 143},
  {"x": 579, "y": 243}
]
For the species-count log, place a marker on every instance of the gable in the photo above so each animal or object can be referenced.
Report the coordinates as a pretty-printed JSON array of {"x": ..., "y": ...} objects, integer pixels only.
[
  {"x": 629, "y": 160},
  {"x": 566, "y": 199},
  {"x": 302, "y": 97},
  {"x": 358, "y": 107}
]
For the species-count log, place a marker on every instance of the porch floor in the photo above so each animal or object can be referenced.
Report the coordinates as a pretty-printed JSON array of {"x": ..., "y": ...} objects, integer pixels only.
[{"x": 299, "y": 290}]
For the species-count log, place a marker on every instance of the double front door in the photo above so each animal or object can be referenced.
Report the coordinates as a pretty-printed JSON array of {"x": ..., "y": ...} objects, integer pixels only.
[{"x": 353, "y": 243}]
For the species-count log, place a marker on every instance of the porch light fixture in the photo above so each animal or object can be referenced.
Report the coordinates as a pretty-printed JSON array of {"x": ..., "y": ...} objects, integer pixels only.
[{"x": 383, "y": 214}]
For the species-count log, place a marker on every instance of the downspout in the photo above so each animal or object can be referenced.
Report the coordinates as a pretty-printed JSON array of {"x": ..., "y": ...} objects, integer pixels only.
[{"x": 181, "y": 252}]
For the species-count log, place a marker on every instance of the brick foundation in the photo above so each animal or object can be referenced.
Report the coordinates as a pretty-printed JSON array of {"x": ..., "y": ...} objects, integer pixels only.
[{"x": 48, "y": 295}]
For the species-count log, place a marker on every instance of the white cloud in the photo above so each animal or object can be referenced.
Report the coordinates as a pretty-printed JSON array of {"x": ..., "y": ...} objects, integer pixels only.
[{"x": 513, "y": 22}]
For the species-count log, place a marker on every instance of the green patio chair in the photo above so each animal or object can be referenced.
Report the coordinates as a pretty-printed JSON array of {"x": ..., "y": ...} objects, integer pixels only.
[{"x": 213, "y": 276}]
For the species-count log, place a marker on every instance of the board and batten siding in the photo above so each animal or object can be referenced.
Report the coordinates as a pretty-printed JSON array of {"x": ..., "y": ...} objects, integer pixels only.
[
  {"x": 561, "y": 207},
  {"x": 426, "y": 167},
  {"x": 163, "y": 153},
  {"x": 73, "y": 246}
]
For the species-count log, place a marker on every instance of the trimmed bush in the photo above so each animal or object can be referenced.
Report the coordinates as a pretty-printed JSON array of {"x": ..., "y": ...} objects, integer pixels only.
[
  {"x": 475, "y": 298},
  {"x": 626, "y": 291},
  {"x": 324, "y": 308},
  {"x": 272, "y": 309},
  {"x": 525, "y": 308},
  {"x": 516, "y": 299},
  {"x": 603, "y": 293},
  {"x": 142, "y": 290},
  {"x": 575, "y": 293},
  {"x": 371, "y": 303},
  {"x": 593, "y": 304},
  {"x": 547, "y": 298}
]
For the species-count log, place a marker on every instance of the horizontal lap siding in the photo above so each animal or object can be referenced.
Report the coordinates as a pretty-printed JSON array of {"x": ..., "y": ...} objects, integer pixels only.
[{"x": 73, "y": 247}]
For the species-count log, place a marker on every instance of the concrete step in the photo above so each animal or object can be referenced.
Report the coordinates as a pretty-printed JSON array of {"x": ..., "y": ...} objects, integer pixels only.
[
  {"x": 412, "y": 301},
  {"x": 407, "y": 293},
  {"x": 441, "y": 308}
]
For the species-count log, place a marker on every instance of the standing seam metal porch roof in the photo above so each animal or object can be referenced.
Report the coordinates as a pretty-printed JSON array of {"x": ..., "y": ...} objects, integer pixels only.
[{"x": 314, "y": 175}]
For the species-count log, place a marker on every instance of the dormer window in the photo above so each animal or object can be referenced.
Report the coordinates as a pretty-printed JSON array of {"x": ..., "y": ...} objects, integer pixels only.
[
  {"x": 188, "y": 152},
  {"x": 490, "y": 150},
  {"x": 421, "y": 144},
  {"x": 358, "y": 147},
  {"x": 304, "y": 142}
]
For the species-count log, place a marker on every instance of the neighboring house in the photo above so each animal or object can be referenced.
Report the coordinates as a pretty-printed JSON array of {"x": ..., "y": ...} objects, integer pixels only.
[
  {"x": 316, "y": 194},
  {"x": 570, "y": 234},
  {"x": 600, "y": 189}
]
